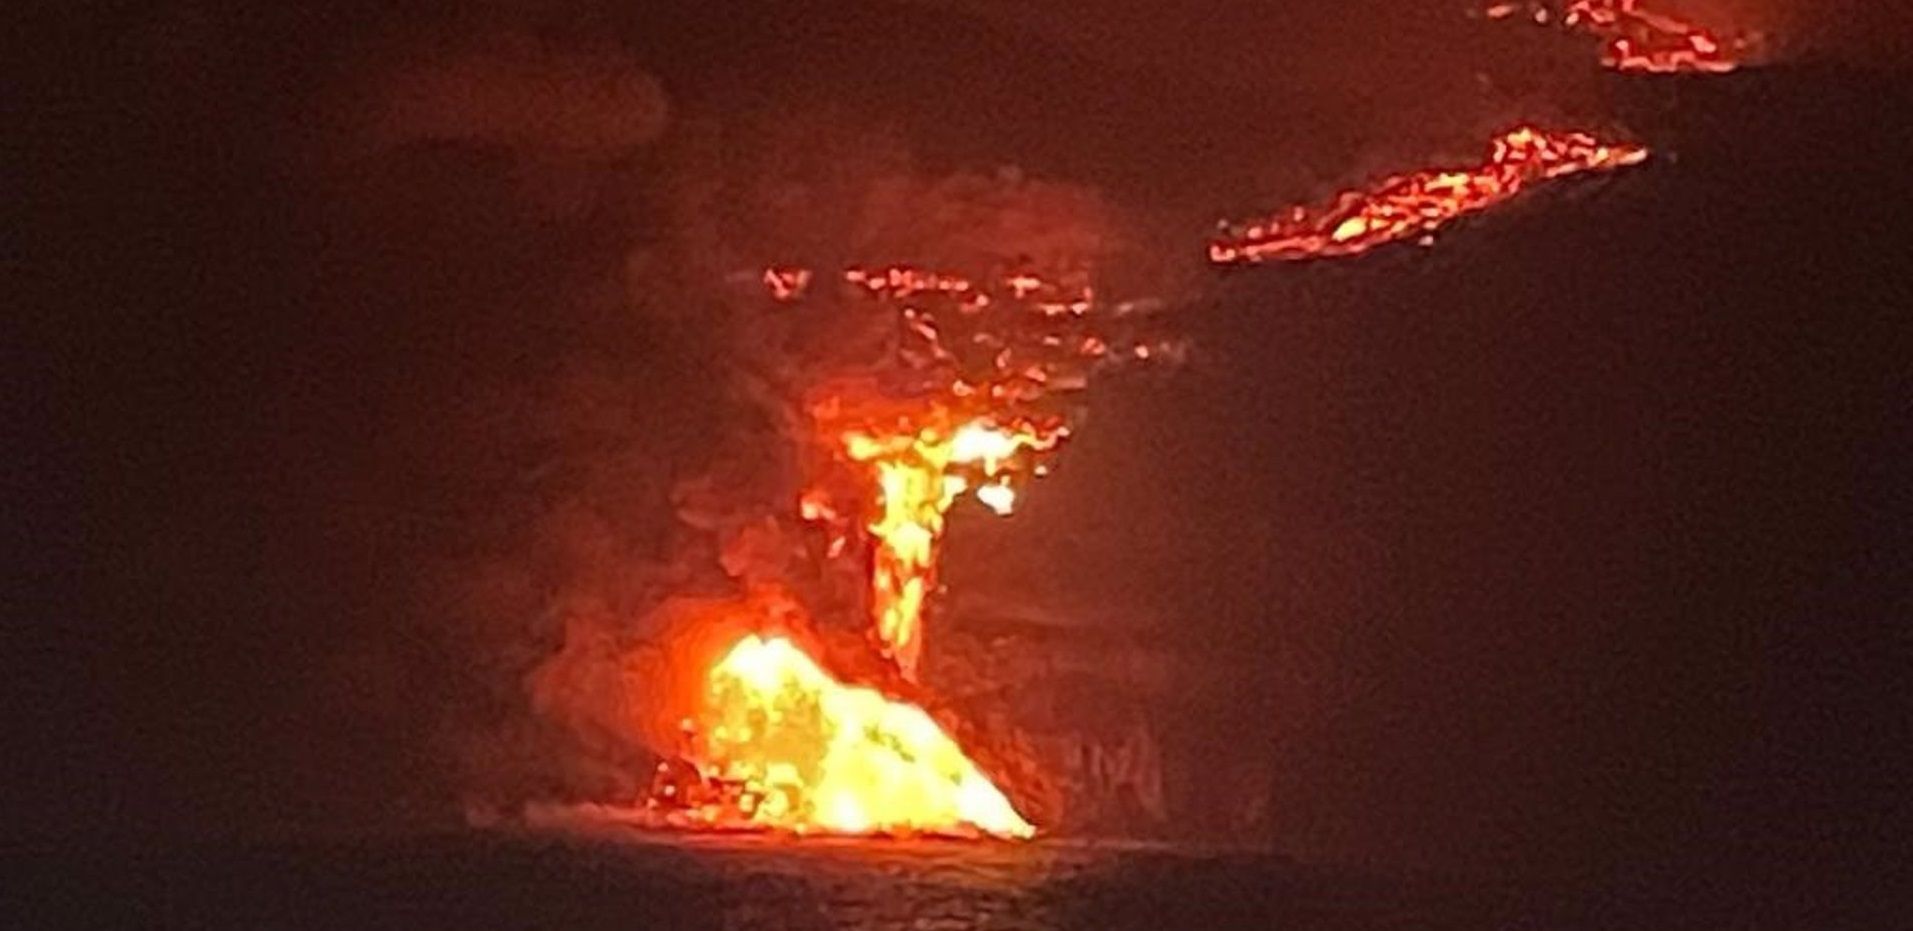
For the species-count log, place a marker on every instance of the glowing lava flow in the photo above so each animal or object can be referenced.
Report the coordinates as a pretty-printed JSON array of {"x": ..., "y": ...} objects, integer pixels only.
[
  {"x": 1418, "y": 203},
  {"x": 968, "y": 405},
  {"x": 918, "y": 476},
  {"x": 786, "y": 746},
  {"x": 1634, "y": 39},
  {"x": 971, "y": 409}
]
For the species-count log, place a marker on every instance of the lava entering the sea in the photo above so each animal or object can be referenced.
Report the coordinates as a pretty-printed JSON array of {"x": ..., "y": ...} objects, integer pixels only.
[
  {"x": 785, "y": 745},
  {"x": 969, "y": 404},
  {"x": 1418, "y": 203}
]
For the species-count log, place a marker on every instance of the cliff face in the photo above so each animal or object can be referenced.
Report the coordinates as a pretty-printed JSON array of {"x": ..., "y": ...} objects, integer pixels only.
[{"x": 1083, "y": 723}]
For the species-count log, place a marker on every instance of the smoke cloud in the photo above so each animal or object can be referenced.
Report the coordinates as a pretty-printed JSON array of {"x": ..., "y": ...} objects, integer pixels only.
[
  {"x": 600, "y": 406},
  {"x": 412, "y": 374}
]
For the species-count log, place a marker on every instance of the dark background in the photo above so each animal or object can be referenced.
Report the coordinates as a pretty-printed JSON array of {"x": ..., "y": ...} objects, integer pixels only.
[{"x": 1578, "y": 543}]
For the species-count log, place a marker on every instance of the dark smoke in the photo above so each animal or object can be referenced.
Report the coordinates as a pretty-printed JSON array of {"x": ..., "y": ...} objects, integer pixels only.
[
  {"x": 371, "y": 360},
  {"x": 617, "y": 484},
  {"x": 817, "y": 189}
]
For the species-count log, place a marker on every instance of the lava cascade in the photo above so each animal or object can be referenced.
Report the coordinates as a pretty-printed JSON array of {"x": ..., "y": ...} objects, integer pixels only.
[
  {"x": 972, "y": 404},
  {"x": 920, "y": 469},
  {"x": 976, "y": 409}
]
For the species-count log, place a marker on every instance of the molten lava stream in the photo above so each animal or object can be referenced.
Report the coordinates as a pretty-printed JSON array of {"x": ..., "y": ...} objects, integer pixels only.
[
  {"x": 775, "y": 741},
  {"x": 783, "y": 745},
  {"x": 918, "y": 475},
  {"x": 1418, "y": 203},
  {"x": 1635, "y": 39}
]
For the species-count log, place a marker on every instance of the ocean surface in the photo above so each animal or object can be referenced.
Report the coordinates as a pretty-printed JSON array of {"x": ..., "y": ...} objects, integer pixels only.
[{"x": 619, "y": 878}]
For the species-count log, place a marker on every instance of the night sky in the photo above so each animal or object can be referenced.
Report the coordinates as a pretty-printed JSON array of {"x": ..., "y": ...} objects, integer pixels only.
[{"x": 1578, "y": 542}]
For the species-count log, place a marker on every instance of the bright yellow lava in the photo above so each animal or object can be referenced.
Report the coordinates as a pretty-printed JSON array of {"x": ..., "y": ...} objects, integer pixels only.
[
  {"x": 814, "y": 754},
  {"x": 917, "y": 480}
]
